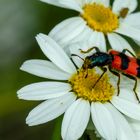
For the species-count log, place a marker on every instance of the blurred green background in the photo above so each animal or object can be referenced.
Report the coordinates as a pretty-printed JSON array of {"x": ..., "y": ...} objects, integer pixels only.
[{"x": 20, "y": 21}]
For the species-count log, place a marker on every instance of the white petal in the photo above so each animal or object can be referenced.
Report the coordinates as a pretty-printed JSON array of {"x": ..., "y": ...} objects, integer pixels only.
[
  {"x": 118, "y": 43},
  {"x": 103, "y": 121},
  {"x": 92, "y": 38},
  {"x": 64, "y": 32},
  {"x": 129, "y": 31},
  {"x": 65, "y": 4},
  {"x": 129, "y": 108},
  {"x": 83, "y": 2},
  {"x": 118, "y": 5},
  {"x": 137, "y": 42},
  {"x": 50, "y": 109},
  {"x": 104, "y": 2},
  {"x": 137, "y": 133},
  {"x": 124, "y": 131},
  {"x": 75, "y": 120},
  {"x": 53, "y": 2},
  {"x": 45, "y": 69},
  {"x": 72, "y": 4},
  {"x": 43, "y": 90},
  {"x": 134, "y": 124},
  {"x": 55, "y": 53},
  {"x": 84, "y": 35},
  {"x": 133, "y": 20},
  {"x": 138, "y": 87},
  {"x": 97, "y": 39},
  {"x": 127, "y": 93}
]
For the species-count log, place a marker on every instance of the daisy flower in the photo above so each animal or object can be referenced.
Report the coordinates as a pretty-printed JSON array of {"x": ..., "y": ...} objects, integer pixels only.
[
  {"x": 70, "y": 91},
  {"x": 97, "y": 20}
]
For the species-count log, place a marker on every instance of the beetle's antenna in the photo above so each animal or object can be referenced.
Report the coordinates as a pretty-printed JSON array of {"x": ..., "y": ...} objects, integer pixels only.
[
  {"x": 77, "y": 56},
  {"x": 81, "y": 59}
]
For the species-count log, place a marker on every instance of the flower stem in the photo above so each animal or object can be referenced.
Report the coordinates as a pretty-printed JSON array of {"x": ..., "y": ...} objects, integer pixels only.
[
  {"x": 90, "y": 135},
  {"x": 57, "y": 129}
]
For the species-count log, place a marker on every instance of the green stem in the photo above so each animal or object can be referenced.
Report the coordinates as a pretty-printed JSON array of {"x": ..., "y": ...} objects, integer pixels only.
[
  {"x": 57, "y": 129},
  {"x": 90, "y": 135}
]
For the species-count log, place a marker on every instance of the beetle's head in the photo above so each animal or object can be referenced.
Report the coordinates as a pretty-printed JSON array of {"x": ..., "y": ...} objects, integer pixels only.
[{"x": 87, "y": 63}]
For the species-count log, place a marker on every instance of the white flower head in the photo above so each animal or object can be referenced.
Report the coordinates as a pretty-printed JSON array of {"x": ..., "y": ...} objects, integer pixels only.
[
  {"x": 98, "y": 18},
  {"x": 71, "y": 92}
]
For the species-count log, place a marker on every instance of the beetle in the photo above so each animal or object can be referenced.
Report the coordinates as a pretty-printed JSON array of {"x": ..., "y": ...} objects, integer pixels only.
[{"x": 117, "y": 62}]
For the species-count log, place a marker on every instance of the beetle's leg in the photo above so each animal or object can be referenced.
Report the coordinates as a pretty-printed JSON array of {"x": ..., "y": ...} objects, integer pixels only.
[
  {"x": 126, "y": 50},
  {"x": 134, "y": 89},
  {"x": 86, "y": 73},
  {"x": 90, "y": 49},
  {"x": 118, "y": 83},
  {"x": 104, "y": 71},
  {"x": 135, "y": 86}
]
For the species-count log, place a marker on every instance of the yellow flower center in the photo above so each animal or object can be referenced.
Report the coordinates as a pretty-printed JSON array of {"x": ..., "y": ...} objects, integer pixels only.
[
  {"x": 83, "y": 86},
  {"x": 100, "y": 18}
]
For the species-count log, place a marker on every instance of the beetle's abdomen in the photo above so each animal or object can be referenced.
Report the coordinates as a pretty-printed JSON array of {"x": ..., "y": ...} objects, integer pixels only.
[{"x": 126, "y": 64}]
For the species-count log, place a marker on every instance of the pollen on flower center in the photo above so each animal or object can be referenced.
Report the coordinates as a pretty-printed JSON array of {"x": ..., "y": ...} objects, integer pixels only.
[
  {"x": 100, "y": 18},
  {"x": 82, "y": 84}
]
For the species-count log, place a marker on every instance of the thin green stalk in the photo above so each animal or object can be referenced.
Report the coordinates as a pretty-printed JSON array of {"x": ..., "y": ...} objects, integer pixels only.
[{"x": 57, "y": 129}]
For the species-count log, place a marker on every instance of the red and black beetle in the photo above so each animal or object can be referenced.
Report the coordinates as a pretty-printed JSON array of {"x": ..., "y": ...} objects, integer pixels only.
[{"x": 117, "y": 62}]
